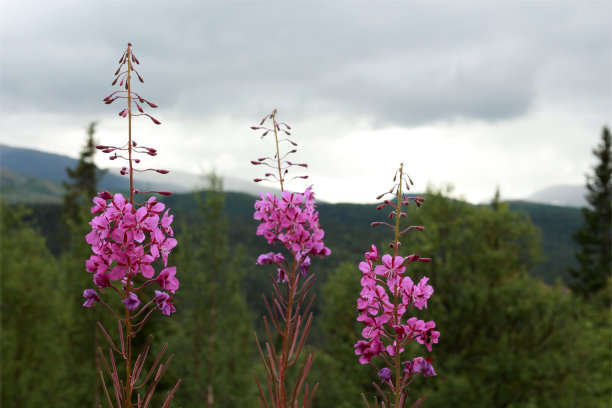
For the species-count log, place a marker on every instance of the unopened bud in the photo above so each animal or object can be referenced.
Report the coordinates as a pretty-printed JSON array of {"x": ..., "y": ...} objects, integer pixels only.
[
  {"x": 380, "y": 207},
  {"x": 151, "y": 104},
  {"x": 166, "y": 193},
  {"x": 255, "y": 162},
  {"x": 257, "y": 180},
  {"x": 105, "y": 195},
  {"x": 157, "y": 122},
  {"x": 424, "y": 259},
  {"x": 160, "y": 171},
  {"x": 100, "y": 147},
  {"x": 375, "y": 224},
  {"x": 255, "y": 127}
]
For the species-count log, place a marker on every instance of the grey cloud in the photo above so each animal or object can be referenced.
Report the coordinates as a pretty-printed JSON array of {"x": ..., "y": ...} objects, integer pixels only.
[{"x": 392, "y": 63}]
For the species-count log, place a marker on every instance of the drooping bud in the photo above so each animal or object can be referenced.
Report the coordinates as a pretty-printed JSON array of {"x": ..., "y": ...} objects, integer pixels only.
[{"x": 105, "y": 195}]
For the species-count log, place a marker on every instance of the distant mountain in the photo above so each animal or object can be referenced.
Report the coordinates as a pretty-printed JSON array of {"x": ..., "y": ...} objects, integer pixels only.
[
  {"x": 566, "y": 195},
  {"x": 35, "y": 176}
]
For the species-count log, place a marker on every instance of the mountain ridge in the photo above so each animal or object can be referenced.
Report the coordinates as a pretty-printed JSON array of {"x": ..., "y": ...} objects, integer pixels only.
[{"x": 41, "y": 168}]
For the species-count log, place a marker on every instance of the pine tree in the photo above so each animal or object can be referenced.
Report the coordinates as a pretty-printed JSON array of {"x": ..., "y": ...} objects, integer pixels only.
[
  {"x": 595, "y": 237},
  {"x": 80, "y": 327},
  {"x": 215, "y": 326},
  {"x": 81, "y": 188}
]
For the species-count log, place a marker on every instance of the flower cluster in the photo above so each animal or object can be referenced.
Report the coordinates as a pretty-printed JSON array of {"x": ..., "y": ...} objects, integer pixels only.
[
  {"x": 382, "y": 312},
  {"x": 386, "y": 295},
  {"x": 294, "y": 221},
  {"x": 122, "y": 251}
]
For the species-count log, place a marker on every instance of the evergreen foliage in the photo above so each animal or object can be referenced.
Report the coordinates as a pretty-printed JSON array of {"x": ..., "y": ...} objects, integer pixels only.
[
  {"x": 509, "y": 340},
  {"x": 213, "y": 329},
  {"x": 82, "y": 187},
  {"x": 595, "y": 237},
  {"x": 34, "y": 349}
]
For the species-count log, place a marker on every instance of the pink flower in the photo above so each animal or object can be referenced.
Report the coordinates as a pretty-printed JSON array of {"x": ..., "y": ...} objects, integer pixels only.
[
  {"x": 368, "y": 349},
  {"x": 429, "y": 336},
  {"x": 163, "y": 302},
  {"x": 166, "y": 279},
  {"x": 101, "y": 280},
  {"x": 91, "y": 296},
  {"x": 165, "y": 223},
  {"x": 294, "y": 221},
  {"x": 421, "y": 293},
  {"x": 372, "y": 255},
  {"x": 161, "y": 245},
  {"x": 131, "y": 302},
  {"x": 391, "y": 268}
]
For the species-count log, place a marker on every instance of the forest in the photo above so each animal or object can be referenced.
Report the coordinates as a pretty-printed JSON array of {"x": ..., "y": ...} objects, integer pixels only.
[{"x": 510, "y": 337}]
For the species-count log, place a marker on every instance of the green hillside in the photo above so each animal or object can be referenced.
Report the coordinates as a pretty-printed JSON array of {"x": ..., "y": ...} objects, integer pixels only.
[{"x": 347, "y": 229}]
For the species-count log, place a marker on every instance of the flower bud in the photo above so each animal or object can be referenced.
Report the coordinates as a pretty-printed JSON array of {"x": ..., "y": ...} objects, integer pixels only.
[
  {"x": 157, "y": 122},
  {"x": 162, "y": 171},
  {"x": 166, "y": 193}
]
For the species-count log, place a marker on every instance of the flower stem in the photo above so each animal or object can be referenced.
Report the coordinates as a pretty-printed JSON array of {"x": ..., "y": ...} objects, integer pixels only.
[
  {"x": 280, "y": 171},
  {"x": 397, "y": 361},
  {"x": 128, "y": 55},
  {"x": 291, "y": 286},
  {"x": 128, "y": 322}
]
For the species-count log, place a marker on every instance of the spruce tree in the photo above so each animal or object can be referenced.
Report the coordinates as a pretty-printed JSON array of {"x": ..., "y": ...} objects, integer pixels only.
[
  {"x": 595, "y": 237},
  {"x": 81, "y": 187},
  {"x": 215, "y": 326}
]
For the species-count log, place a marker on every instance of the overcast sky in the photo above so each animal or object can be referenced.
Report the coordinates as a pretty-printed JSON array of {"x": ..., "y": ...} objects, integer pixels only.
[{"x": 477, "y": 94}]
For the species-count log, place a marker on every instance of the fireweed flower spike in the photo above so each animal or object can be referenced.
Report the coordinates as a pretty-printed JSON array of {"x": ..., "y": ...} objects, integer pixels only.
[
  {"x": 126, "y": 239},
  {"x": 292, "y": 220},
  {"x": 387, "y": 294}
]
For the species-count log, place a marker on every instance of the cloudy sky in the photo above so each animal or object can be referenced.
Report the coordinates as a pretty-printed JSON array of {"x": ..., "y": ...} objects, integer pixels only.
[{"x": 477, "y": 94}]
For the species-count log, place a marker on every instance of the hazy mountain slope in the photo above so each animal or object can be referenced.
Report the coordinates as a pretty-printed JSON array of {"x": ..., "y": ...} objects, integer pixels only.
[
  {"x": 567, "y": 195},
  {"x": 16, "y": 187}
]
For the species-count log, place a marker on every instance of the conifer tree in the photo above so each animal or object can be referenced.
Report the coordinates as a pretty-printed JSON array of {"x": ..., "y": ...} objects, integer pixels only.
[
  {"x": 595, "y": 237},
  {"x": 215, "y": 324},
  {"x": 80, "y": 328},
  {"x": 81, "y": 188}
]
